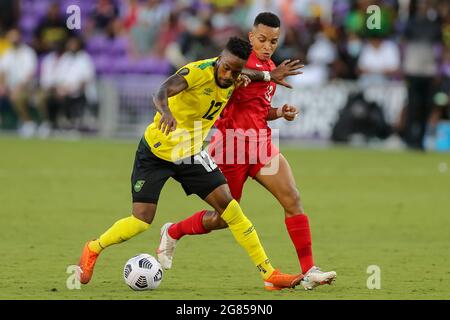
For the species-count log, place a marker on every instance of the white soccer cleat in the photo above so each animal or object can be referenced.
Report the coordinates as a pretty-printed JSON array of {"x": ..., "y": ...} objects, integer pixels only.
[
  {"x": 166, "y": 247},
  {"x": 315, "y": 277}
]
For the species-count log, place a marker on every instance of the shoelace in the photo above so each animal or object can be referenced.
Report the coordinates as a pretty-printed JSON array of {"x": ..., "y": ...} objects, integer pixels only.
[{"x": 169, "y": 248}]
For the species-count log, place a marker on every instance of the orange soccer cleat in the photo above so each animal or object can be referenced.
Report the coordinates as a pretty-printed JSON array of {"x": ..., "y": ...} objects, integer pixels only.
[
  {"x": 86, "y": 264},
  {"x": 278, "y": 281}
]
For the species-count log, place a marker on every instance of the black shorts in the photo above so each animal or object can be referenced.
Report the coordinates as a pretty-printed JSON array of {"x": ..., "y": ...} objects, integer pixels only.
[{"x": 198, "y": 175}]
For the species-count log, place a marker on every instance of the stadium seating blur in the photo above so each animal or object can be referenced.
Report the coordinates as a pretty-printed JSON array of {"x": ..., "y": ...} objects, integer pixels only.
[
  {"x": 153, "y": 38},
  {"x": 109, "y": 55}
]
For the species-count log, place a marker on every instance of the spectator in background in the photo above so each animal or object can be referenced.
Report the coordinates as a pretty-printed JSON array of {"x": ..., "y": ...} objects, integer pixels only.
[
  {"x": 291, "y": 47},
  {"x": 444, "y": 10},
  {"x": 323, "y": 50},
  {"x": 379, "y": 61},
  {"x": 321, "y": 54},
  {"x": 421, "y": 35},
  {"x": 441, "y": 96},
  {"x": 51, "y": 29},
  {"x": 9, "y": 13},
  {"x": 150, "y": 17},
  {"x": 131, "y": 14},
  {"x": 194, "y": 44},
  {"x": 168, "y": 34},
  {"x": 117, "y": 41},
  {"x": 4, "y": 44},
  {"x": 289, "y": 15},
  {"x": 105, "y": 11},
  {"x": 46, "y": 96},
  {"x": 349, "y": 48},
  {"x": 223, "y": 4},
  {"x": 75, "y": 77},
  {"x": 355, "y": 21},
  {"x": 240, "y": 12},
  {"x": 17, "y": 68},
  {"x": 223, "y": 25},
  {"x": 258, "y": 6}
]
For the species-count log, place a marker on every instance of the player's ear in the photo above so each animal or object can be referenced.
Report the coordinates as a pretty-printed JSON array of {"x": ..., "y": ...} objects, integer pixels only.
[{"x": 251, "y": 35}]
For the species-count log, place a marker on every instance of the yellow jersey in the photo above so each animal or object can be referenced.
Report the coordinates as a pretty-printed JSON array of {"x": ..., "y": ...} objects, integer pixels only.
[{"x": 195, "y": 109}]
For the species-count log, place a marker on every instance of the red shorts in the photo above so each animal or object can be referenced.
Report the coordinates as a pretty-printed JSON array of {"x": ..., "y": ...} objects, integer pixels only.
[{"x": 239, "y": 159}]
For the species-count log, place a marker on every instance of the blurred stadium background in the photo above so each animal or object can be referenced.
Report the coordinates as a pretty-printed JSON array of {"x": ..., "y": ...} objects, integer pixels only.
[
  {"x": 99, "y": 80},
  {"x": 74, "y": 92}
]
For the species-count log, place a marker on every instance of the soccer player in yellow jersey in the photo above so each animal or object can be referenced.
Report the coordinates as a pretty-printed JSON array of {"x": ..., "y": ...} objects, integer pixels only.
[{"x": 188, "y": 104}]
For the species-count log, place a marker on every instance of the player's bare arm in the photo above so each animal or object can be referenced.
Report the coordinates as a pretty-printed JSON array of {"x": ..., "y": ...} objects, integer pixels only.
[
  {"x": 287, "y": 112},
  {"x": 278, "y": 75},
  {"x": 172, "y": 86}
]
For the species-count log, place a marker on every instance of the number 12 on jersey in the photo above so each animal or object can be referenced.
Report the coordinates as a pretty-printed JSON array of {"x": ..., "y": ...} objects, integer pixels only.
[{"x": 213, "y": 109}]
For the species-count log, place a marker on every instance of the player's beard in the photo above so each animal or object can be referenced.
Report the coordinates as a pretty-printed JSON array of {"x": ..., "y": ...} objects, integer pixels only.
[{"x": 216, "y": 78}]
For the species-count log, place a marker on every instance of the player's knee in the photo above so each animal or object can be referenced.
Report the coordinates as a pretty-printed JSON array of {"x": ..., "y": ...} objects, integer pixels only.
[
  {"x": 213, "y": 221},
  {"x": 224, "y": 201},
  {"x": 218, "y": 222},
  {"x": 291, "y": 202},
  {"x": 144, "y": 212}
]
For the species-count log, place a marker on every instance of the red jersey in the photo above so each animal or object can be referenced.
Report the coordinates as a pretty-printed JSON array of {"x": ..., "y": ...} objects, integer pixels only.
[
  {"x": 246, "y": 116},
  {"x": 249, "y": 106}
]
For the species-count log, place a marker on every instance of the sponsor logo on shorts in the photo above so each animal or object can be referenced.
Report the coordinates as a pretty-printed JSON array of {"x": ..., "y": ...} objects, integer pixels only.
[{"x": 138, "y": 185}]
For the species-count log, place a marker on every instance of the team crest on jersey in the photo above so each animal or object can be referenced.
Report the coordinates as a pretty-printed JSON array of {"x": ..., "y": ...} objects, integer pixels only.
[
  {"x": 208, "y": 91},
  {"x": 138, "y": 185},
  {"x": 183, "y": 72}
]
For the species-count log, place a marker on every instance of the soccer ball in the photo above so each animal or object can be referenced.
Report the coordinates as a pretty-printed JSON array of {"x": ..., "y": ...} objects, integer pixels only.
[{"x": 143, "y": 272}]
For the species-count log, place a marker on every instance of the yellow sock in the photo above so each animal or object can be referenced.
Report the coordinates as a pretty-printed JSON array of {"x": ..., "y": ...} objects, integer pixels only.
[
  {"x": 245, "y": 234},
  {"x": 120, "y": 231}
]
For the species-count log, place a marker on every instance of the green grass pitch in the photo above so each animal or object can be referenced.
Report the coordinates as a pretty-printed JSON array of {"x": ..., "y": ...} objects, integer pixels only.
[{"x": 389, "y": 209}]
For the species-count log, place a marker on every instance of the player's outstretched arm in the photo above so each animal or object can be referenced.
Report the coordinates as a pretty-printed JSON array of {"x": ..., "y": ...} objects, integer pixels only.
[
  {"x": 278, "y": 75},
  {"x": 172, "y": 86},
  {"x": 286, "y": 69},
  {"x": 287, "y": 112}
]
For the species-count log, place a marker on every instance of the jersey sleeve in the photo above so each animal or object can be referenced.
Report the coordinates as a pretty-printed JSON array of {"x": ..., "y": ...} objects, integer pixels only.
[{"x": 192, "y": 74}]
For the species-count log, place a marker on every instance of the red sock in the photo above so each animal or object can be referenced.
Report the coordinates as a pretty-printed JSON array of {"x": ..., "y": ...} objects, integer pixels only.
[
  {"x": 300, "y": 233},
  {"x": 191, "y": 225}
]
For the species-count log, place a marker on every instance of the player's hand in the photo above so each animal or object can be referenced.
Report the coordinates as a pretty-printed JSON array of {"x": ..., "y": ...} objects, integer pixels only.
[
  {"x": 242, "y": 81},
  {"x": 285, "y": 69},
  {"x": 167, "y": 123},
  {"x": 289, "y": 112}
]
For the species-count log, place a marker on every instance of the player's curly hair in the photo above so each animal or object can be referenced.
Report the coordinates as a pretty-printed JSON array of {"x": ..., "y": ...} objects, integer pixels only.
[
  {"x": 239, "y": 47},
  {"x": 268, "y": 19}
]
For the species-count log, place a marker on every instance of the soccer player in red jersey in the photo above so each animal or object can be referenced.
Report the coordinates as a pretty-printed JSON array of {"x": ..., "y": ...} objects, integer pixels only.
[{"x": 242, "y": 147}]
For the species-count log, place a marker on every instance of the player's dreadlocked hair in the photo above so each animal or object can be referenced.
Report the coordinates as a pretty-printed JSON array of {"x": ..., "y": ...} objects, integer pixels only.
[
  {"x": 268, "y": 19},
  {"x": 240, "y": 48}
]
